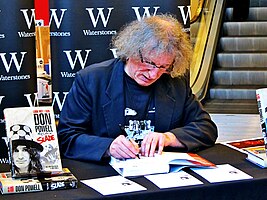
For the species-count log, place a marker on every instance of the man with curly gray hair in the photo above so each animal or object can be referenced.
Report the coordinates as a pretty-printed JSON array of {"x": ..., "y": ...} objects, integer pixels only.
[{"x": 139, "y": 103}]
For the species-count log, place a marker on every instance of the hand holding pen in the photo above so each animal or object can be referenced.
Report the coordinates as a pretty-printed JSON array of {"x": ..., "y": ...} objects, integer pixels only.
[
  {"x": 131, "y": 140},
  {"x": 122, "y": 148}
]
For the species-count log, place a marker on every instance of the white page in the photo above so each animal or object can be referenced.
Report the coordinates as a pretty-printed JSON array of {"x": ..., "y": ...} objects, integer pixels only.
[
  {"x": 176, "y": 179},
  {"x": 113, "y": 185},
  {"x": 222, "y": 173}
]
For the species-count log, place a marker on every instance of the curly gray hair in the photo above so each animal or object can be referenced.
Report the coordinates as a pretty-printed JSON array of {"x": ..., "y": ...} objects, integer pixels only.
[{"x": 160, "y": 34}]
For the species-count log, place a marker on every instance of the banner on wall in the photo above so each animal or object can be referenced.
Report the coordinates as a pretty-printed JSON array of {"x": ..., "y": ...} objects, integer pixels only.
[
  {"x": 81, "y": 33},
  {"x": 75, "y": 36},
  {"x": 17, "y": 61},
  {"x": 43, "y": 54}
]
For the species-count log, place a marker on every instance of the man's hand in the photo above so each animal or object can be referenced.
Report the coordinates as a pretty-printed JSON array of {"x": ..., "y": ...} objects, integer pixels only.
[
  {"x": 155, "y": 141},
  {"x": 121, "y": 147}
]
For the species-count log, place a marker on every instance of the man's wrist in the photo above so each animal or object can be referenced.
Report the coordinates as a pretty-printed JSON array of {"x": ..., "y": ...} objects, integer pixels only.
[{"x": 172, "y": 140}]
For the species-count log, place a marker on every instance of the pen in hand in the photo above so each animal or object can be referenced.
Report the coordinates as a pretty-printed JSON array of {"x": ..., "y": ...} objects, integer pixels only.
[{"x": 131, "y": 140}]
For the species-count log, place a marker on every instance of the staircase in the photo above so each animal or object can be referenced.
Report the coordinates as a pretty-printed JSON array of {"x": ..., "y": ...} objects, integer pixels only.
[{"x": 240, "y": 65}]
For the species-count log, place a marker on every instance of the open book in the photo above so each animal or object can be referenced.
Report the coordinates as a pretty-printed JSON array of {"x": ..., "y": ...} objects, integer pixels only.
[{"x": 164, "y": 163}]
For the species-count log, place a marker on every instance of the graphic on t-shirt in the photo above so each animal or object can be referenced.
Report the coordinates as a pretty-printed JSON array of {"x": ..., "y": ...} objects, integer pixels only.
[
  {"x": 138, "y": 129},
  {"x": 129, "y": 112}
]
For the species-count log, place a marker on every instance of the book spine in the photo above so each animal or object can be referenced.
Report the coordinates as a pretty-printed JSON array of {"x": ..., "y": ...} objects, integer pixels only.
[
  {"x": 20, "y": 188},
  {"x": 59, "y": 184},
  {"x": 261, "y": 95}
]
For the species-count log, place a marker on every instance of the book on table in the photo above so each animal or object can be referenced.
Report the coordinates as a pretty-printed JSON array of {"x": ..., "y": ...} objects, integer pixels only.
[
  {"x": 240, "y": 145},
  {"x": 54, "y": 181},
  {"x": 257, "y": 155},
  {"x": 164, "y": 163},
  {"x": 32, "y": 140},
  {"x": 253, "y": 147}
]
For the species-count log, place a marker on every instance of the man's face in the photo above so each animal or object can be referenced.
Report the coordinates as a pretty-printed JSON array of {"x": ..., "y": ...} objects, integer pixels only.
[
  {"x": 21, "y": 157},
  {"x": 145, "y": 71}
]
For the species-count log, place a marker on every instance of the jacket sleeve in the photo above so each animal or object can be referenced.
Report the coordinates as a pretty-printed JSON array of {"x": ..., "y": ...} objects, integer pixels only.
[
  {"x": 76, "y": 137},
  {"x": 197, "y": 129}
]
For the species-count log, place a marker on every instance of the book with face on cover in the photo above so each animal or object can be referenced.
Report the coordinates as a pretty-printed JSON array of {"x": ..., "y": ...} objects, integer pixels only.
[
  {"x": 33, "y": 142},
  {"x": 164, "y": 163}
]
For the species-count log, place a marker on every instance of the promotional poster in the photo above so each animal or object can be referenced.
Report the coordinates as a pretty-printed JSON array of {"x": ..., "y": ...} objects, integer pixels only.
[{"x": 39, "y": 59}]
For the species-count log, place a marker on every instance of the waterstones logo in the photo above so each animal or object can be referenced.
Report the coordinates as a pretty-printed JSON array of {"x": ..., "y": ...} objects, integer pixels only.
[
  {"x": 24, "y": 34},
  {"x": 185, "y": 12},
  {"x": 148, "y": 12},
  {"x": 13, "y": 60},
  {"x": 58, "y": 101},
  {"x": 79, "y": 58},
  {"x": 97, "y": 17},
  {"x": 99, "y": 33},
  {"x": 15, "y": 77},
  {"x": 151, "y": 11},
  {"x": 100, "y": 15},
  {"x": 56, "y": 18}
]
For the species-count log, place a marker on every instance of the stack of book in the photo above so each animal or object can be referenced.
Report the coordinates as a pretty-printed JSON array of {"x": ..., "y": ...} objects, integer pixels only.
[
  {"x": 33, "y": 152},
  {"x": 55, "y": 181}
]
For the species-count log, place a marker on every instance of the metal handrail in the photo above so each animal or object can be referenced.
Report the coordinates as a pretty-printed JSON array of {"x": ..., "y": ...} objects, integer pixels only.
[
  {"x": 197, "y": 15},
  {"x": 205, "y": 46}
]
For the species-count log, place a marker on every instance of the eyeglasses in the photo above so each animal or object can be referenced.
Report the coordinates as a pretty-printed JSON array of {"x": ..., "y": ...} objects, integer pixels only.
[{"x": 168, "y": 69}]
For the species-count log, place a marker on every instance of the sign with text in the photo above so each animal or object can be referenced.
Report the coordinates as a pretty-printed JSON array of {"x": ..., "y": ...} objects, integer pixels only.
[
  {"x": 17, "y": 60},
  {"x": 81, "y": 33}
]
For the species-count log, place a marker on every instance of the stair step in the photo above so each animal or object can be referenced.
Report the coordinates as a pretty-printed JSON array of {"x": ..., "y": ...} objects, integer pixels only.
[
  {"x": 233, "y": 92},
  {"x": 232, "y": 106},
  {"x": 241, "y": 64},
  {"x": 258, "y": 28},
  {"x": 258, "y": 3},
  {"x": 242, "y": 59},
  {"x": 244, "y": 44},
  {"x": 255, "y": 14},
  {"x": 239, "y": 77}
]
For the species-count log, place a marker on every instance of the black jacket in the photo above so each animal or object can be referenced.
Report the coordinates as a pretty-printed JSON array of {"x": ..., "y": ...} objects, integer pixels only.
[{"x": 95, "y": 107}]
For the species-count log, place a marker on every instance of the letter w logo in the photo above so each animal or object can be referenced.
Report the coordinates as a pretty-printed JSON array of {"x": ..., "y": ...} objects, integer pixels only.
[
  {"x": 100, "y": 14},
  {"x": 185, "y": 16},
  {"x": 12, "y": 60},
  {"x": 146, "y": 12},
  {"x": 77, "y": 57},
  {"x": 31, "y": 17}
]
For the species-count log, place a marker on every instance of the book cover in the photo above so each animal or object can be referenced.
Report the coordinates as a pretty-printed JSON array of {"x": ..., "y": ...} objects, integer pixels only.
[
  {"x": 257, "y": 155},
  {"x": 239, "y": 145},
  {"x": 8, "y": 185},
  {"x": 59, "y": 181},
  {"x": 261, "y": 95},
  {"x": 32, "y": 139},
  {"x": 164, "y": 163}
]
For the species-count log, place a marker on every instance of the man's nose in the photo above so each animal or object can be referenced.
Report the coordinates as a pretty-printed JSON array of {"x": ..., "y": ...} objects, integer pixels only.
[
  {"x": 154, "y": 73},
  {"x": 20, "y": 155}
]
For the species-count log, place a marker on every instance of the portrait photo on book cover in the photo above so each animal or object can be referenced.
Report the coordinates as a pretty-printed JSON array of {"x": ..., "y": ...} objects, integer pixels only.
[{"x": 25, "y": 154}]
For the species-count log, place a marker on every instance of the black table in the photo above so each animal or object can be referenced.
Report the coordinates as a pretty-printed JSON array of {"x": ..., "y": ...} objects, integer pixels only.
[{"x": 219, "y": 154}]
